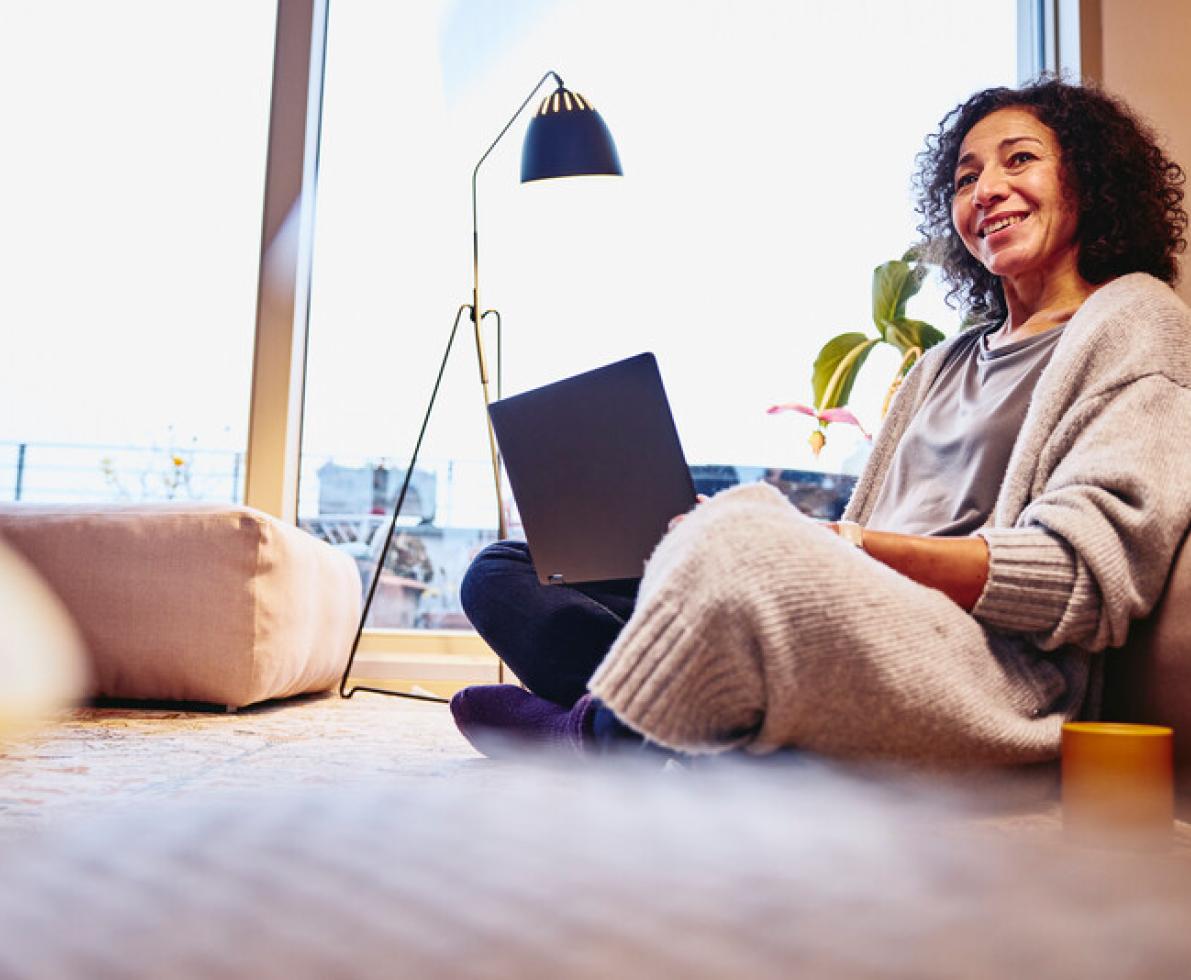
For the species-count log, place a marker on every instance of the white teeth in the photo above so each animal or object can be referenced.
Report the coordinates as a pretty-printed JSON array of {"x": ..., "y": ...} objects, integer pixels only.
[{"x": 1001, "y": 223}]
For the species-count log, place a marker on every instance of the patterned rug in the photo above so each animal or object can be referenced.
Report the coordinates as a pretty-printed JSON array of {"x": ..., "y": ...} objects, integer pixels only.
[
  {"x": 585, "y": 872},
  {"x": 364, "y": 838},
  {"x": 99, "y": 760}
]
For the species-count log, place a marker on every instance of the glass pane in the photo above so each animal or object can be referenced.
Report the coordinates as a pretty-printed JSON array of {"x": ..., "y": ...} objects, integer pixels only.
[
  {"x": 131, "y": 190},
  {"x": 767, "y": 149}
]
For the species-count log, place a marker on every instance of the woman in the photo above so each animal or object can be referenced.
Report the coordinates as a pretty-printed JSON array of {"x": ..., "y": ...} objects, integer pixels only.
[{"x": 1022, "y": 504}]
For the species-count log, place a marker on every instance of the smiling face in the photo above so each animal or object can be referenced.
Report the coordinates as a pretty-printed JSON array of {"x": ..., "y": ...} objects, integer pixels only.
[{"x": 1011, "y": 207}]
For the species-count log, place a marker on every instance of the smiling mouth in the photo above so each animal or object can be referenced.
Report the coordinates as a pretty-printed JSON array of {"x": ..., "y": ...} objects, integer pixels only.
[{"x": 1000, "y": 224}]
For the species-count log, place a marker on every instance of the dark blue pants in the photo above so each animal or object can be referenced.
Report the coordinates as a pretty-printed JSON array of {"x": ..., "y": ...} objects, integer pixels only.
[{"x": 551, "y": 636}]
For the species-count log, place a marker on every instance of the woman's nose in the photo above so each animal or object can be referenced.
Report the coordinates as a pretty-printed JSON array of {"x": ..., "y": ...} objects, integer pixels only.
[{"x": 990, "y": 188}]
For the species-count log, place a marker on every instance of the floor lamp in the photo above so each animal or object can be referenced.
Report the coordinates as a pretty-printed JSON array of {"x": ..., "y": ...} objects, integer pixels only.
[{"x": 565, "y": 138}]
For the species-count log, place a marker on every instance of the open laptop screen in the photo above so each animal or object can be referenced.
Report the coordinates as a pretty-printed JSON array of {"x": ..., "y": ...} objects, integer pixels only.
[{"x": 596, "y": 469}]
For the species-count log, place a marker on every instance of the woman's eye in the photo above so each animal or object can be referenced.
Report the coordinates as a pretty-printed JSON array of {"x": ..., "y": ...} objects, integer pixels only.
[
  {"x": 964, "y": 180},
  {"x": 1020, "y": 157}
]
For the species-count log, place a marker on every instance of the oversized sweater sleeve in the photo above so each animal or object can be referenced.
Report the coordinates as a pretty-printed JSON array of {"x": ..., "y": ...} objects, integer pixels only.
[{"x": 1092, "y": 549}]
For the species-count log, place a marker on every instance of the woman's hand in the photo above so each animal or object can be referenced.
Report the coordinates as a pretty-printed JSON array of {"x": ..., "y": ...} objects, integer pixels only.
[{"x": 675, "y": 521}]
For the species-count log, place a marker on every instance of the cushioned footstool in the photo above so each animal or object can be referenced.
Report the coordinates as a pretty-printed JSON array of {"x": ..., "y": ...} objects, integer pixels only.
[{"x": 193, "y": 602}]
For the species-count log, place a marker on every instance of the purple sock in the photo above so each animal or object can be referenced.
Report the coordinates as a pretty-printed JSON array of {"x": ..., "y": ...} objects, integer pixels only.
[{"x": 499, "y": 719}]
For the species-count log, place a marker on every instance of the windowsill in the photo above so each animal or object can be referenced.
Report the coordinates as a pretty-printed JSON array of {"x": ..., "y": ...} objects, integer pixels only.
[
  {"x": 432, "y": 661},
  {"x": 447, "y": 642}
]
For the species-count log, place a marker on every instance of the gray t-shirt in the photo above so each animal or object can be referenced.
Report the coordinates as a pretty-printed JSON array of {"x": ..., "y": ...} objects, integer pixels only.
[{"x": 948, "y": 467}]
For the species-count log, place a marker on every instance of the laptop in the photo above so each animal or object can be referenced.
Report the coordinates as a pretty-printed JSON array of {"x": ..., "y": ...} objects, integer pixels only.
[{"x": 596, "y": 469}]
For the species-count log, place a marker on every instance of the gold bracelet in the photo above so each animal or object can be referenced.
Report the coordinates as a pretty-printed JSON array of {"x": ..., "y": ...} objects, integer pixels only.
[{"x": 852, "y": 532}]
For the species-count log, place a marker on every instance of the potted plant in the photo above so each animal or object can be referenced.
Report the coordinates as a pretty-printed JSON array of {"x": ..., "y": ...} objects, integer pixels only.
[{"x": 841, "y": 358}]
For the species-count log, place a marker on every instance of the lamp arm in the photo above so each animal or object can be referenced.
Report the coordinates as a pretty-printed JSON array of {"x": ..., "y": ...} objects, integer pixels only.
[{"x": 475, "y": 236}]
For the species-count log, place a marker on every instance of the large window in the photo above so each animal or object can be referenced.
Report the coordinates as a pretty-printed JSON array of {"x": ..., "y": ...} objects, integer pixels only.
[
  {"x": 130, "y": 189},
  {"x": 767, "y": 149}
]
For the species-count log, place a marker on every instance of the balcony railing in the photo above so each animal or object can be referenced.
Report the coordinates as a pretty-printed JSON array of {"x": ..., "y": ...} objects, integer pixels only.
[{"x": 65, "y": 471}]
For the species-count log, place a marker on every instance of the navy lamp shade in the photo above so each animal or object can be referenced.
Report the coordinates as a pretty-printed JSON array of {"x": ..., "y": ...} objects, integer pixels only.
[{"x": 567, "y": 138}]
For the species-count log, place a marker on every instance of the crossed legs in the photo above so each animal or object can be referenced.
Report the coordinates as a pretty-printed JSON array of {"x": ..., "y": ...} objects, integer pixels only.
[{"x": 553, "y": 638}]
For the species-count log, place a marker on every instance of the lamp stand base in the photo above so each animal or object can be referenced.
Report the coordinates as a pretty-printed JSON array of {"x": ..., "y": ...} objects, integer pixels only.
[{"x": 344, "y": 690}]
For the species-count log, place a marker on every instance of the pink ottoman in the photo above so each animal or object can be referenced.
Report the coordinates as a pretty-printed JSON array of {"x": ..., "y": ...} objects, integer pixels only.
[{"x": 194, "y": 602}]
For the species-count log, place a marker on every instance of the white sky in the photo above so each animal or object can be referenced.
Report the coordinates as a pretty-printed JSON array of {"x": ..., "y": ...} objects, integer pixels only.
[
  {"x": 767, "y": 149},
  {"x": 130, "y": 204}
]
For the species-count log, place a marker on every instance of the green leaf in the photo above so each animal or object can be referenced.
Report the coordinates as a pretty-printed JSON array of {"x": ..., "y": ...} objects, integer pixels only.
[
  {"x": 905, "y": 334},
  {"x": 893, "y": 284},
  {"x": 930, "y": 336},
  {"x": 836, "y": 368}
]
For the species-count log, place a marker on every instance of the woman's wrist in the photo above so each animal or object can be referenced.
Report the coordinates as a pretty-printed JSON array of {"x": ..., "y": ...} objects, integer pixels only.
[{"x": 957, "y": 567}]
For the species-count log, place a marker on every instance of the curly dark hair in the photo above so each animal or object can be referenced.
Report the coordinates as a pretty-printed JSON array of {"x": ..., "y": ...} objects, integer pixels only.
[{"x": 1127, "y": 193}]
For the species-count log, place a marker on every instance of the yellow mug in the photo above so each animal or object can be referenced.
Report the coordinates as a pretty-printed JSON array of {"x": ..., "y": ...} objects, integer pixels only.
[{"x": 1118, "y": 783}]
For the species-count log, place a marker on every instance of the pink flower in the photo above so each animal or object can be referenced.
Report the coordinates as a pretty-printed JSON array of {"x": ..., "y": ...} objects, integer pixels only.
[{"x": 826, "y": 417}]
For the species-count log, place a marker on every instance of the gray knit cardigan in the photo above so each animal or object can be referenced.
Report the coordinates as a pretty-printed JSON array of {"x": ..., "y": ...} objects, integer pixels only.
[{"x": 755, "y": 627}]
